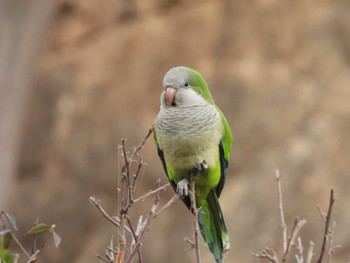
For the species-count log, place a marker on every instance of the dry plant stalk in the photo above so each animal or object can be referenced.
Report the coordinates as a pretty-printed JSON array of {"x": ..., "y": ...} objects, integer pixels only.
[
  {"x": 128, "y": 179},
  {"x": 194, "y": 209},
  {"x": 294, "y": 239},
  {"x": 327, "y": 227},
  {"x": 280, "y": 208}
]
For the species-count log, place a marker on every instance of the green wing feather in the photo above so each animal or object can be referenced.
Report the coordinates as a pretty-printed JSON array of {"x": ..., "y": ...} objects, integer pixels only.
[
  {"x": 212, "y": 225},
  {"x": 211, "y": 220},
  {"x": 225, "y": 151},
  {"x": 161, "y": 156},
  {"x": 227, "y": 138}
]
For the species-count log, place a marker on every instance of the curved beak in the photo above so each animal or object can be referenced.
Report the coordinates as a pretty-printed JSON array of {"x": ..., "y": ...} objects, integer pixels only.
[{"x": 170, "y": 96}]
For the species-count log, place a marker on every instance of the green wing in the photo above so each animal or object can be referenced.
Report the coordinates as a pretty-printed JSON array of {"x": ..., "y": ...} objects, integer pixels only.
[
  {"x": 225, "y": 151},
  {"x": 161, "y": 156}
]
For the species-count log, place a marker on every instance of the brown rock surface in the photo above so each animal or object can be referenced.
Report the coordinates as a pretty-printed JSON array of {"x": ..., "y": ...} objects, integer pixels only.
[{"x": 279, "y": 70}]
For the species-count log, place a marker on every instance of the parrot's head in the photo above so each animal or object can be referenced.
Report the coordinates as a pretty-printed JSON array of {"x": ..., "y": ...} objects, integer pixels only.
[{"x": 183, "y": 86}]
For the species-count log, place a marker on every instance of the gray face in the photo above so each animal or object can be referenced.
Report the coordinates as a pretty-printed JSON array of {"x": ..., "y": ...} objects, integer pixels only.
[
  {"x": 178, "y": 91},
  {"x": 176, "y": 78}
]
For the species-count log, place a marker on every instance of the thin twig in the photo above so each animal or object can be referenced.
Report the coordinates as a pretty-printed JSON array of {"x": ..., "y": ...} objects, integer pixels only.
[
  {"x": 110, "y": 251},
  {"x": 192, "y": 244},
  {"x": 168, "y": 204},
  {"x": 192, "y": 194},
  {"x": 134, "y": 236},
  {"x": 20, "y": 245},
  {"x": 126, "y": 193},
  {"x": 151, "y": 192},
  {"x": 97, "y": 204},
  {"x": 323, "y": 215},
  {"x": 136, "y": 174},
  {"x": 299, "y": 246},
  {"x": 142, "y": 143},
  {"x": 103, "y": 259},
  {"x": 35, "y": 238},
  {"x": 298, "y": 224},
  {"x": 34, "y": 257},
  {"x": 267, "y": 253},
  {"x": 332, "y": 246},
  {"x": 131, "y": 227},
  {"x": 13, "y": 235},
  {"x": 310, "y": 252},
  {"x": 280, "y": 208},
  {"x": 145, "y": 229},
  {"x": 328, "y": 218},
  {"x": 289, "y": 242},
  {"x": 139, "y": 227},
  {"x": 122, "y": 238}
]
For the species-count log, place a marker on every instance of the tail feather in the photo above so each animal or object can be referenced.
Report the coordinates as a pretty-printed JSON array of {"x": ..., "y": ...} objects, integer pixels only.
[{"x": 212, "y": 226}]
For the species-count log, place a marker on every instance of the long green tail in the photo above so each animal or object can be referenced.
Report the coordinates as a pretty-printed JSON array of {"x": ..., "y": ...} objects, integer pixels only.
[{"x": 212, "y": 225}]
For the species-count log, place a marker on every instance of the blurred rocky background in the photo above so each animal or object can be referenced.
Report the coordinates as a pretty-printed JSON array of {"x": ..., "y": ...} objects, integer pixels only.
[{"x": 76, "y": 76}]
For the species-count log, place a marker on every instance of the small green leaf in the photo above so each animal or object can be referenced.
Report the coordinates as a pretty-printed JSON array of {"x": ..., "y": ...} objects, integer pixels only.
[
  {"x": 38, "y": 229},
  {"x": 5, "y": 256},
  {"x": 56, "y": 238},
  {"x": 12, "y": 220}
]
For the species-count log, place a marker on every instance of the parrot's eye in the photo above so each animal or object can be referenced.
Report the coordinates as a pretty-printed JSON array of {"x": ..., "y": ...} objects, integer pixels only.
[{"x": 186, "y": 84}]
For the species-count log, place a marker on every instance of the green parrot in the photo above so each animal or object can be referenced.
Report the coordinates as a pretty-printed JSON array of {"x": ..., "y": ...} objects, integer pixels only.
[{"x": 191, "y": 132}]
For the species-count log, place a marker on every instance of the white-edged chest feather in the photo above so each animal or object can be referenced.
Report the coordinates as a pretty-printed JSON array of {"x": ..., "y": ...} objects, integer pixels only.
[{"x": 189, "y": 134}]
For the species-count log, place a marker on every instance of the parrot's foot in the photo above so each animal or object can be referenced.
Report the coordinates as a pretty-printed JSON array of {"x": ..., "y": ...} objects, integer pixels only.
[
  {"x": 201, "y": 166},
  {"x": 182, "y": 188}
]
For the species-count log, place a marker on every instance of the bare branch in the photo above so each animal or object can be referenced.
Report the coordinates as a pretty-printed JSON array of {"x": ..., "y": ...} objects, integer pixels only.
[
  {"x": 145, "y": 229},
  {"x": 110, "y": 253},
  {"x": 332, "y": 246},
  {"x": 135, "y": 175},
  {"x": 326, "y": 230},
  {"x": 168, "y": 204},
  {"x": 300, "y": 249},
  {"x": 194, "y": 209},
  {"x": 129, "y": 175},
  {"x": 192, "y": 244},
  {"x": 280, "y": 208},
  {"x": 269, "y": 254},
  {"x": 121, "y": 236},
  {"x": 294, "y": 238},
  {"x": 115, "y": 221},
  {"x": 142, "y": 143},
  {"x": 140, "y": 226},
  {"x": 126, "y": 193},
  {"x": 298, "y": 224},
  {"x": 134, "y": 236},
  {"x": 323, "y": 215},
  {"x": 152, "y": 192},
  {"x": 310, "y": 252},
  {"x": 34, "y": 257},
  {"x": 103, "y": 259}
]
